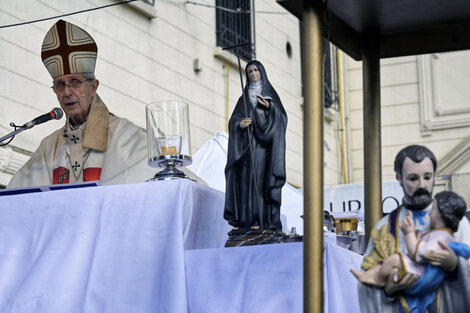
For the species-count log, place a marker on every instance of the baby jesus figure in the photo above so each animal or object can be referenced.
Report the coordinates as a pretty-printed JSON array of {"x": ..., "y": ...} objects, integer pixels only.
[{"x": 447, "y": 211}]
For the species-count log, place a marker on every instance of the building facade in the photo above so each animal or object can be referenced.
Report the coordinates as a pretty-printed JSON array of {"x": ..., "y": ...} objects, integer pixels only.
[
  {"x": 151, "y": 52},
  {"x": 424, "y": 100},
  {"x": 172, "y": 49}
]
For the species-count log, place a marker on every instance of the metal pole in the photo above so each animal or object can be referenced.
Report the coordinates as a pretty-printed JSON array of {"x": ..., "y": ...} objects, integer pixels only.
[
  {"x": 13, "y": 133},
  {"x": 372, "y": 130},
  {"x": 313, "y": 160}
]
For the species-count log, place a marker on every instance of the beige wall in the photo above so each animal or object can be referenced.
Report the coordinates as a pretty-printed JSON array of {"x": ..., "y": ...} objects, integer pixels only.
[
  {"x": 141, "y": 60},
  {"x": 410, "y": 87},
  {"x": 332, "y": 148}
]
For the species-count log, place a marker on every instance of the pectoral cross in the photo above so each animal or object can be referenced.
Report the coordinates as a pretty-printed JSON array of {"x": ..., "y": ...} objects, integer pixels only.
[{"x": 76, "y": 166}]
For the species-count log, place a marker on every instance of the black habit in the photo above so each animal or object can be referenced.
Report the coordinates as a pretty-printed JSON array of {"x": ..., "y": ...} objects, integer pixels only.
[{"x": 244, "y": 206}]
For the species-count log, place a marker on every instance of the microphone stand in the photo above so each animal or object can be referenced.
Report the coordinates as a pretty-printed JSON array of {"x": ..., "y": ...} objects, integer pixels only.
[
  {"x": 18, "y": 129},
  {"x": 55, "y": 114}
]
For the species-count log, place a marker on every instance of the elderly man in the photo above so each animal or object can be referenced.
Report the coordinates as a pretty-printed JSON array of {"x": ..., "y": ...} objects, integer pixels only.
[
  {"x": 93, "y": 144},
  {"x": 415, "y": 168}
]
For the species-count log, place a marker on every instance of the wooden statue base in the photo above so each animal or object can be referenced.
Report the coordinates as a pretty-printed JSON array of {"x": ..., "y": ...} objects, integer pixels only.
[{"x": 253, "y": 237}]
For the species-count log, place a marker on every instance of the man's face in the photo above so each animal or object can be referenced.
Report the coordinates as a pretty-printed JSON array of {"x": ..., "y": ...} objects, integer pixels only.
[
  {"x": 417, "y": 180},
  {"x": 75, "y": 98},
  {"x": 253, "y": 73}
]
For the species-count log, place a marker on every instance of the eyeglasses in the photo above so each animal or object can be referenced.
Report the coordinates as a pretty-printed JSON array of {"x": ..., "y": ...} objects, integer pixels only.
[{"x": 73, "y": 84}]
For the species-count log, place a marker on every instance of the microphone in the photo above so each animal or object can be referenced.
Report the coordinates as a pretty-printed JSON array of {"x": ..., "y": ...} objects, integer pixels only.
[{"x": 55, "y": 114}]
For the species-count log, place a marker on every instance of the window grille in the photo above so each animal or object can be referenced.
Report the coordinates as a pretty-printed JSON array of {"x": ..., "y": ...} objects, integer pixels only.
[
  {"x": 330, "y": 76},
  {"x": 234, "y": 23}
]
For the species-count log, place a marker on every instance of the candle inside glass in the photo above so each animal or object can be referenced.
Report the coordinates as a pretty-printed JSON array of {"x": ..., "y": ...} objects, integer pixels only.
[
  {"x": 169, "y": 145},
  {"x": 167, "y": 150}
]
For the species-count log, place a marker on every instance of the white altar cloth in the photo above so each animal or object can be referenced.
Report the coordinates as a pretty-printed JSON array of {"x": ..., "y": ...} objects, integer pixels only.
[
  {"x": 105, "y": 249},
  {"x": 267, "y": 279},
  {"x": 132, "y": 248}
]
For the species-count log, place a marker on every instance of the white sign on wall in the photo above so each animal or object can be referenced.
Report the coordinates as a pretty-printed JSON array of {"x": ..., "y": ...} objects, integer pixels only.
[{"x": 348, "y": 198}]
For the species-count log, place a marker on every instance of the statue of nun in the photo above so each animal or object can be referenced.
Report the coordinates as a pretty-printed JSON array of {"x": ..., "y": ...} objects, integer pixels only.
[{"x": 254, "y": 179}]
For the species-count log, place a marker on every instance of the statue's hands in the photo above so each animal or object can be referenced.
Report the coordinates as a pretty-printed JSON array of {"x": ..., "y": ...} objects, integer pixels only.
[
  {"x": 407, "y": 225},
  {"x": 245, "y": 122},
  {"x": 444, "y": 258},
  {"x": 392, "y": 286},
  {"x": 263, "y": 102}
]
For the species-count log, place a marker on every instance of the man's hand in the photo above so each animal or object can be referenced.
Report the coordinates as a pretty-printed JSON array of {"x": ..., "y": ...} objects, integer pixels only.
[
  {"x": 245, "y": 122},
  {"x": 407, "y": 225},
  {"x": 392, "y": 286},
  {"x": 445, "y": 258}
]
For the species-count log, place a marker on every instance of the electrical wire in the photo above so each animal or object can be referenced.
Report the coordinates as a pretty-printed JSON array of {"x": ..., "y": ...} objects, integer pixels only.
[
  {"x": 68, "y": 14},
  {"x": 239, "y": 11}
]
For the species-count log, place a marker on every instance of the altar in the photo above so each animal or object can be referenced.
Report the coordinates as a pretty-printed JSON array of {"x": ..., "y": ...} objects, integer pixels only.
[{"x": 148, "y": 247}]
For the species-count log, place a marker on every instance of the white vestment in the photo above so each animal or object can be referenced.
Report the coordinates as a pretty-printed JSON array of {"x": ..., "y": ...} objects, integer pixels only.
[{"x": 114, "y": 145}]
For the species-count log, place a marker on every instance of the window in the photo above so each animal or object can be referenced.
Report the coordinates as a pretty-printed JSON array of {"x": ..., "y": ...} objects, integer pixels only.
[
  {"x": 330, "y": 76},
  {"x": 233, "y": 26}
]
